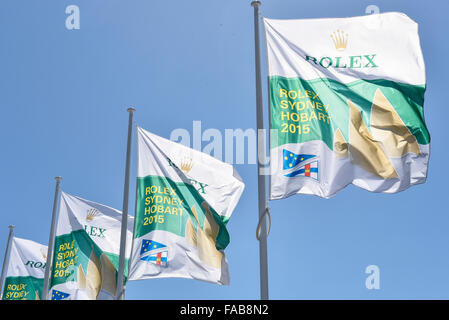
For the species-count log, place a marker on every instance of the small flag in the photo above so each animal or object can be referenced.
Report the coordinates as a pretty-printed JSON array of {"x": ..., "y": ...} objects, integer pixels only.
[
  {"x": 150, "y": 245},
  {"x": 26, "y": 267},
  {"x": 291, "y": 160},
  {"x": 59, "y": 295}
]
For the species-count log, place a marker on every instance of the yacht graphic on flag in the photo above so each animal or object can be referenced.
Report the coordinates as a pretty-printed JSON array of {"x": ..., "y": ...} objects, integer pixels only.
[
  {"x": 154, "y": 252},
  {"x": 59, "y": 295},
  {"x": 306, "y": 164}
]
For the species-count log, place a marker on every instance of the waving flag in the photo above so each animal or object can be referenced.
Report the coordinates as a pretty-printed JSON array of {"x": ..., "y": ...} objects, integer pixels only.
[
  {"x": 184, "y": 200},
  {"x": 26, "y": 268},
  {"x": 86, "y": 254},
  {"x": 346, "y": 97}
]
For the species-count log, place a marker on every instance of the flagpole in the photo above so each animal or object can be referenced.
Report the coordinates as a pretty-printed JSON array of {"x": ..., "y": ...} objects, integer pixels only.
[
  {"x": 260, "y": 155},
  {"x": 121, "y": 266},
  {"x": 134, "y": 225},
  {"x": 51, "y": 241},
  {"x": 8, "y": 248}
]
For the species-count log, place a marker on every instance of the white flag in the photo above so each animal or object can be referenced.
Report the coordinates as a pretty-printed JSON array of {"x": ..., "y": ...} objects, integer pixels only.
[
  {"x": 346, "y": 101},
  {"x": 184, "y": 200},
  {"x": 87, "y": 247},
  {"x": 26, "y": 269}
]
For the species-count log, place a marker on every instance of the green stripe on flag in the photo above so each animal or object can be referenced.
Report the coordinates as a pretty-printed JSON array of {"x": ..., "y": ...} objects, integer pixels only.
[
  {"x": 163, "y": 204},
  {"x": 313, "y": 110},
  {"x": 23, "y": 288},
  {"x": 74, "y": 250}
]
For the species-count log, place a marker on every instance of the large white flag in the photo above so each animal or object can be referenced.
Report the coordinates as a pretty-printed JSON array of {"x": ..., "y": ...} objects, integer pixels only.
[
  {"x": 26, "y": 269},
  {"x": 184, "y": 200},
  {"x": 346, "y": 99},
  {"x": 87, "y": 247}
]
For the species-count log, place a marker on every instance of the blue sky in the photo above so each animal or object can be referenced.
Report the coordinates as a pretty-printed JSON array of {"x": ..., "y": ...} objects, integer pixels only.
[{"x": 64, "y": 94}]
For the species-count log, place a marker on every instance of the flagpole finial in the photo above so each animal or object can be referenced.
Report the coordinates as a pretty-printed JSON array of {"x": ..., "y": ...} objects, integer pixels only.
[
  {"x": 131, "y": 109},
  {"x": 58, "y": 178},
  {"x": 11, "y": 227},
  {"x": 255, "y": 4}
]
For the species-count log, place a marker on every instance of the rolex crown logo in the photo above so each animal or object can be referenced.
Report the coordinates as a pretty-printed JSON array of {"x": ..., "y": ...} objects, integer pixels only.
[
  {"x": 340, "y": 40},
  {"x": 186, "y": 164},
  {"x": 91, "y": 214},
  {"x": 44, "y": 253}
]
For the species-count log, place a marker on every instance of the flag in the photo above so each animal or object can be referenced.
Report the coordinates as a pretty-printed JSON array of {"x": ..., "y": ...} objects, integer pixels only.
[
  {"x": 347, "y": 96},
  {"x": 59, "y": 295},
  {"x": 184, "y": 201},
  {"x": 26, "y": 269},
  {"x": 87, "y": 247},
  {"x": 149, "y": 245}
]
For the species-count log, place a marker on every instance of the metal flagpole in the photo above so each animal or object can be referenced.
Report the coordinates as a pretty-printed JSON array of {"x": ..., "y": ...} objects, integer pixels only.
[
  {"x": 51, "y": 242},
  {"x": 261, "y": 154},
  {"x": 134, "y": 226},
  {"x": 121, "y": 265},
  {"x": 8, "y": 248}
]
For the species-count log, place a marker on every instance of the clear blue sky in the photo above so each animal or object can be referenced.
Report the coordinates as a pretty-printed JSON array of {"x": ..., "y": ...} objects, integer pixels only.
[{"x": 63, "y": 98}]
